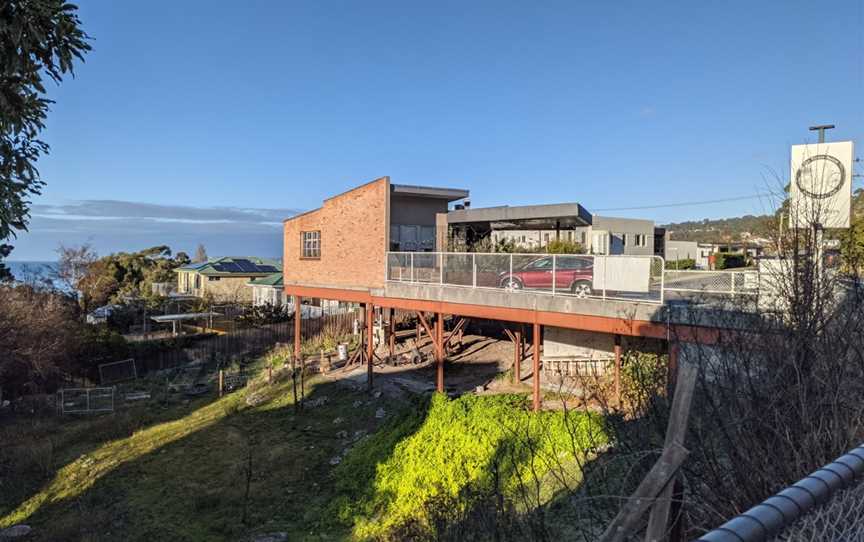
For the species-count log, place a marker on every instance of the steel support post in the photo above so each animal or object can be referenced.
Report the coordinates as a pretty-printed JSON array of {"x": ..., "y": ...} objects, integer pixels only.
[
  {"x": 370, "y": 343},
  {"x": 618, "y": 370},
  {"x": 391, "y": 325},
  {"x": 439, "y": 352},
  {"x": 538, "y": 330}
]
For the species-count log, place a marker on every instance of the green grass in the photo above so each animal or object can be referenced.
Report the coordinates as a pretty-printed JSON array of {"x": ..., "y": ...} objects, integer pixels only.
[{"x": 179, "y": 471}]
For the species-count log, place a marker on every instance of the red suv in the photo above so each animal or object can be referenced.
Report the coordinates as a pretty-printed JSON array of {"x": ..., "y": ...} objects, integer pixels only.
[{"x": 571, "y": 273}]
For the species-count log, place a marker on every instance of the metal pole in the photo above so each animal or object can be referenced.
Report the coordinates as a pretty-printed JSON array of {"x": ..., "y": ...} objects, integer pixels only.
[
  {"x": 441, "y": 265},
  {"x": 412, "y": 267},
  {"x": 370, "y": 347},
  {"x": 536, "y": 366},
  {"x": 554, "y": 265},
  {"x": 474, "y": 270},
  {"x": 618, "y": 370},
  {"x": 510, "y": 277},
  {"x": 439, "y": 352}
]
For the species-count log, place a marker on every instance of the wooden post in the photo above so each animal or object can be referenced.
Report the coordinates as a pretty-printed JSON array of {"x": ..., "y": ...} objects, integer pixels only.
[
  {"x": 618, "y": 370},
  {"x": 672, "y": 370},
  {"x": 439, "y": 352},
  {"x": 221, "y": 381},
  {"x": 536, "y": 365},
  {"x": 683, "y": 384},
  {"x": 370, "y": 344},
  {"x": 391, "y": 327}
]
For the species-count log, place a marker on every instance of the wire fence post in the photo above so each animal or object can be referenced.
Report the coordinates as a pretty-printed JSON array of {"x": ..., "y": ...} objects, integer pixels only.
[
  {"x": 510, "y": 277},
  {"x": 412, "y": 267}
]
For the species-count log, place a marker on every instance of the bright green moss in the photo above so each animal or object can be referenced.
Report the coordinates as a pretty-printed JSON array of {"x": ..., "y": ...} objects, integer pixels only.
[{"x": 450, "y": 446}]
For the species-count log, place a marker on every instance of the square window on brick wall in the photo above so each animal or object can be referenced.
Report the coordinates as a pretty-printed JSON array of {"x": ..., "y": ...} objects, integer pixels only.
[{"x": 310, "y": 244}]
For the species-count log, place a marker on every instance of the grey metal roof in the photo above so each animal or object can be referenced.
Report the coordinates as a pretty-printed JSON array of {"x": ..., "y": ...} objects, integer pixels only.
[
  {"x": 535, "y": 216},
  {"x": 450, "y": 194}
]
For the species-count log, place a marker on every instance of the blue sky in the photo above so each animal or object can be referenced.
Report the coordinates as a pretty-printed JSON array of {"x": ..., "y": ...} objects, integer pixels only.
[{"x": 612, "y": 104}]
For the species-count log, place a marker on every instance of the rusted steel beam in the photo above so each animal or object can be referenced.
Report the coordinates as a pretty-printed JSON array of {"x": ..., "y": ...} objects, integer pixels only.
[
  {"x": 428, "y": 329},
  {"x": 455, "y": 332},
  {"x": 536, "y": 365},
  {"x": 585, "y": 322}
]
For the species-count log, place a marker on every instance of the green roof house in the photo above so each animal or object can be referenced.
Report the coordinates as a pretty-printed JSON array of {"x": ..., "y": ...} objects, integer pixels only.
[{"x": 224, "y": 279}]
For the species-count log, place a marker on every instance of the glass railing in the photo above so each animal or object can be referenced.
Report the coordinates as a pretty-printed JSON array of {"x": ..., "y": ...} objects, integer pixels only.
[{"x": 635, "y": 278}]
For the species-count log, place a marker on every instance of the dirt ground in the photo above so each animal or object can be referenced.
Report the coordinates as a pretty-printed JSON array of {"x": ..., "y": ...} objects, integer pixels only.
[{"x": 478, "y": 365}]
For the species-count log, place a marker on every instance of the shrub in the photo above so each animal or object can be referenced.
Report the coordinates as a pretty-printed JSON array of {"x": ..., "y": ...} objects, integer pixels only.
[
  {"x": 688, "y": 263},
  {"x": 564, "y": 247},
  {"x": 729, "y": 260}
]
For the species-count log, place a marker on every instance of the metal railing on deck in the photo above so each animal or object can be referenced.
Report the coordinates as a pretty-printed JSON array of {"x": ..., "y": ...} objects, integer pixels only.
[
  {"x": 631, "y": 278},
  {"x": 712, "y": 282}
]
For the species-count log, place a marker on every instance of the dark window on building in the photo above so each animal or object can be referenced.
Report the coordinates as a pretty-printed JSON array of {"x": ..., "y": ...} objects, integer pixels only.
[
  {"x": 310, "y": 244},
  {"x": 212, "y": 278}
]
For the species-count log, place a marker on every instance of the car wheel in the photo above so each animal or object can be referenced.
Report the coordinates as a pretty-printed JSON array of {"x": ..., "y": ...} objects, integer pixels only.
[
  {"x": 581, "y": 289},
  {"x": 511, "y": 283}
]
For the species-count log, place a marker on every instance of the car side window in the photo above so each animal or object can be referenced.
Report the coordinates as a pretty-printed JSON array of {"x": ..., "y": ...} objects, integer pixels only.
[{"x": 542, "y": 263}]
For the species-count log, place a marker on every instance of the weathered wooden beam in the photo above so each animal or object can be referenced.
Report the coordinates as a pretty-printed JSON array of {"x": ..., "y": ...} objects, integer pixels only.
[
  {"x": 676, "y": 430},
  {"x": 658, "y": 477}
]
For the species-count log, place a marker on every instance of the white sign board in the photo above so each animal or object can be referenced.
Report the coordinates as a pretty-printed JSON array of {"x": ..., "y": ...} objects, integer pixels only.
[
  {"x": 821, "y": 185},
  {"x": 622, "y": 273}
]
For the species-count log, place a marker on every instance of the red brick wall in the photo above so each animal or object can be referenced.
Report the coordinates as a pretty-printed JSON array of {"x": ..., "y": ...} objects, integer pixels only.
[{"x": 354, "y": 228}]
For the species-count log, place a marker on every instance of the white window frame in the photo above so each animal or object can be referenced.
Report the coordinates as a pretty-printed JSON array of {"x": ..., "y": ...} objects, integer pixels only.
[{"x": 310, "y": 245}]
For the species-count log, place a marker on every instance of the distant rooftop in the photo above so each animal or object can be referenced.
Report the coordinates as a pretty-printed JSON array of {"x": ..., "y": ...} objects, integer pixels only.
[
  {"x": 234, "y": 265},
  {"x": 450, "y": 194},
  {"x": 274, "y": 280},
  {"x": 561, "y": 215}
]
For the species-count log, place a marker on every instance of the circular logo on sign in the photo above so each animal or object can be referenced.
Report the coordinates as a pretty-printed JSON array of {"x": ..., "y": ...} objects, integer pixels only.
[{"x": 820, "y": 176}]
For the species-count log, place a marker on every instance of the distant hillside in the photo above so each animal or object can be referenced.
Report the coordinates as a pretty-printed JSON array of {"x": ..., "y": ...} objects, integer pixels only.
[
  {"x": 723, "y": 230},
  {"x": 742, "y": 228}
]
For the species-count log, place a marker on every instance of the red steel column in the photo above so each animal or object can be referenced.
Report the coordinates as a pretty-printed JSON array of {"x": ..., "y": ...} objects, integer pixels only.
[
  {"x": 297, "y": 318},
  {"x": 391, "y": 324},
  {"x": 370, "y": 343},
  {"x": 618, "y": 370},
  {"x": 439, "y": 352},
  {"x": 536, "y": 364},
  {"x": 517, "y": 358}
]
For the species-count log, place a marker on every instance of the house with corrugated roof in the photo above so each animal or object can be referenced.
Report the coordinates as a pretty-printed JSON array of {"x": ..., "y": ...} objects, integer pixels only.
[{"x": 224, "y": 279}]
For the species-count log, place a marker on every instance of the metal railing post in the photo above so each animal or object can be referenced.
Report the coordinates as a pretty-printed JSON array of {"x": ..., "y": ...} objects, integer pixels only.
[
  {"x": 604, "y": 275},
  {"x": 554, "y": 265},
  {"x": 474, "y": 270},
  {"x": 732, "y": 277},
  {"x": 87, "y": 394},
  {"x": 662, "y": 279},
  {"x": 412, "y": 267},
  {"x": 441, "y": 265},
  {"x": 510, "y": 276}
]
